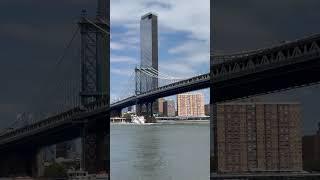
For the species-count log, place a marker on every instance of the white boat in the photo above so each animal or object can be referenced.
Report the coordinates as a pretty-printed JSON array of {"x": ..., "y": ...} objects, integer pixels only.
[{"x": 137, "y": 119}]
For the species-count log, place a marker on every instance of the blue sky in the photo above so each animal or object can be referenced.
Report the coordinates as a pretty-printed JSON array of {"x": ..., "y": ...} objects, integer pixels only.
[{"x": 183, "y": 40}]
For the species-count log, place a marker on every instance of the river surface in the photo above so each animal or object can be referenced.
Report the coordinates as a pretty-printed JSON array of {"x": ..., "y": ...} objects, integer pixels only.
[{"x": 160, "y": 152}]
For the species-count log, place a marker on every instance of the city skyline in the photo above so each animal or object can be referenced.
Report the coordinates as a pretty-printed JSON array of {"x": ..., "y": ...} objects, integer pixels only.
[{"x": 183, "y": 49}]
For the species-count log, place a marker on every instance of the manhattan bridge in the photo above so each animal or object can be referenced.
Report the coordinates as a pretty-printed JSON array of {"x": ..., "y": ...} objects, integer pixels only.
[{"x": 81, "y": 104}]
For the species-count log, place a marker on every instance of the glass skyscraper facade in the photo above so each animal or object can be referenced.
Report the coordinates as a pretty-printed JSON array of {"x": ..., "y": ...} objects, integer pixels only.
[{"x": 149, "y": 50}]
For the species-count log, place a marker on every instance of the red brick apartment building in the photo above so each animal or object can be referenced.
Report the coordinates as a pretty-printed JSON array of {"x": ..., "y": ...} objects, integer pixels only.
[{"x": 255, "y": 137}]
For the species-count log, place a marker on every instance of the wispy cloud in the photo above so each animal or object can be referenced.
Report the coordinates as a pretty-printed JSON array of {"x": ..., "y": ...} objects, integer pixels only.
[
  {"x": 116, "y": 46},
  {"x": 121, "y": 72},
  {"x": 192, "y": 51},
  {"x": 122, "y": 59},
  {"x": 176, "y": 15}
]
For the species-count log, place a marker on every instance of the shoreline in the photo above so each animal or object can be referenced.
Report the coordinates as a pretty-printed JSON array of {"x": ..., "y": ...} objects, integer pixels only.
[{"x": 168, "y": 122}]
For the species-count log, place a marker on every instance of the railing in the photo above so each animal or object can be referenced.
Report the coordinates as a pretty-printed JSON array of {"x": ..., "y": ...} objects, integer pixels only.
[{"x": 218, "y": 59}]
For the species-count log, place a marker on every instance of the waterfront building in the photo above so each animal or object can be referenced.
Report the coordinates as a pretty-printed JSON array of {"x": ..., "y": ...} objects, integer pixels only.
[
  {"x": 258, "y": 137},
  {"x": 190, "y": 104},
  {"x": 311, "y": 151},
  {"x": 160, "y": 104},
  {"x": 169, "y": 109}
]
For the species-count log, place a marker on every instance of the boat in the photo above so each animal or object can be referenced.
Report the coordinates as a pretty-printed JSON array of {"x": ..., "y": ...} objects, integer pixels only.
[{"x": 138, "y": 119}]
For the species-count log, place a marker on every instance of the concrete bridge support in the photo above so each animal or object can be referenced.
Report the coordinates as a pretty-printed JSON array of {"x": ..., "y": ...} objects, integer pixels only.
[
  {"x": 139, "y": 109},
  {"x": 95, "y": 146},
  {"x": 149, "y": 114}
]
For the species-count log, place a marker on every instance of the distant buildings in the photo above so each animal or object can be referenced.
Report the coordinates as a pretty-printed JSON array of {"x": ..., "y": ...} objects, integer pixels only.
[
  {"x": 311, "y": 151},
  {"x": 169, "y": 109},
  {"x": 190, "y": 104},
  {"x": 255, "y": 137},
  {"x": 160, "y": 104}
]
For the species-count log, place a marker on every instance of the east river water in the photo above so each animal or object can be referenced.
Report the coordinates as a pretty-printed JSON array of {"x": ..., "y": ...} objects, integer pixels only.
[{"x": 160, "y": 152}]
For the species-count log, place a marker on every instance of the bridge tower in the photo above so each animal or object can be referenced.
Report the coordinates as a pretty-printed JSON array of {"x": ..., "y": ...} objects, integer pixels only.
[{"x": 95, "y": 86}]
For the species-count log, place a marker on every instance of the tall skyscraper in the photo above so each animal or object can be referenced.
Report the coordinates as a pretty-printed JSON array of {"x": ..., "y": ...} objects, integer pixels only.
[
  {"x": 149, "y": 50},
  {"x": 149, "y": 53},
  {"x": 190, "y": 104},
  {"x": 169, "y": 109},
  {"x": 259, "y": 137}
]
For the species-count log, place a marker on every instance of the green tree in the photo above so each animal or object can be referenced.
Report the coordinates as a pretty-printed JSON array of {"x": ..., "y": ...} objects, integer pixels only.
[{"x": 55, "y": 170}]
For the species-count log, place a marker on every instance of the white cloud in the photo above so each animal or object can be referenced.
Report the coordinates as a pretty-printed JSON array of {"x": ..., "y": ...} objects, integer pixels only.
[
  {"x": 176, "y": 15},
  {"x": 122, "y": 59},
  {"x": 128, "y": 40},
  {"x": 176, "y": 69},
  {"x": 116, "y": 46},
  {"x": 122, "y": 72},
  {"x": 192, "y": 51},
  {"x": 192, "y": 54}
]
